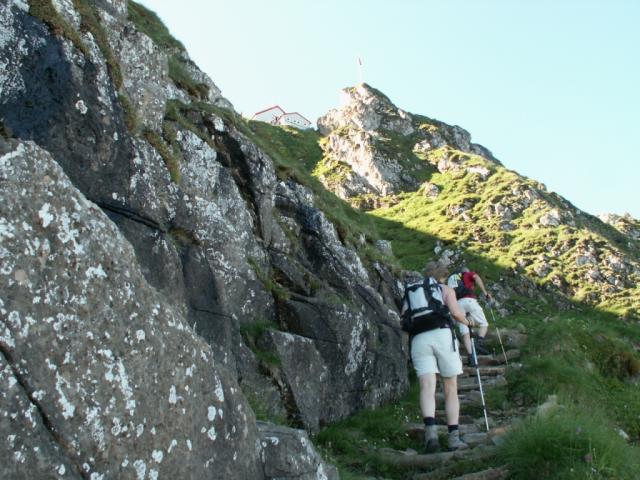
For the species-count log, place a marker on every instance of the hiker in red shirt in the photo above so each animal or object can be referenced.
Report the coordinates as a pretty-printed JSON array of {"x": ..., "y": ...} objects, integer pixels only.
[{"x": 469, "y": 304}]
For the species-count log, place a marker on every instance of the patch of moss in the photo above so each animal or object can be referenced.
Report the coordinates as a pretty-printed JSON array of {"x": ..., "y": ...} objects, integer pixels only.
[
  {"x": 90, "y": 22},
  {"x": 182, "y": 239},
  {"x": 276, "y": 289},
  {"x": 170, "y": 159},
  {"x": 44, "y": 11},
  {"x": 182, "y": 78},
  {"x": 130, "y": 117},
  {"x": 251, "y": 333},
  {"x": 332, "y": 172}
]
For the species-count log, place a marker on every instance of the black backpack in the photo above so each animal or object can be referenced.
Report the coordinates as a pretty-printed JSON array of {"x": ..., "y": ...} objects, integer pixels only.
[
  {"x": 455, "y": 282},
  {"x": 423, "y": 307}
]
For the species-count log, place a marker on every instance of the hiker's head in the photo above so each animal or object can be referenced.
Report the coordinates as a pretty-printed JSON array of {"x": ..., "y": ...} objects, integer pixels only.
[
  {"x": 464, "y": 269},
  {"x": 436, "y": 270},
  {"x": 412, "y": 276}
]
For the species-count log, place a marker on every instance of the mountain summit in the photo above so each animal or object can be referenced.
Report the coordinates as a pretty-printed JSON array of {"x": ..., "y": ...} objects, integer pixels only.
[{"x": 374, "y": 149}]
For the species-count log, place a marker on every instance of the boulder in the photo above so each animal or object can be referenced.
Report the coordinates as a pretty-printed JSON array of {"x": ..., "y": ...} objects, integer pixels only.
[
  {"x": 113, "y": 373},
  {"x": 288, "y": 453}
]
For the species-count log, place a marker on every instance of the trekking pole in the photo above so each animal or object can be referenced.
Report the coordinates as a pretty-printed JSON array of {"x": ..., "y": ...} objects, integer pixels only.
[
  {"x": 475, "y": 361},
  {"x": 498, "y": 331}
]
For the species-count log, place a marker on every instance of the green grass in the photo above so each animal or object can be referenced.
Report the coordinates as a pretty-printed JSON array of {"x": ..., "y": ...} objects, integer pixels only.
[
  {"x": 251, "y": 333},
  {"x": 351, "y": 444},
  {"x": 182, "y": 78},
  {"x": 296, "y": 155},
  {"x": 150, "y": 24},
  {"x": 90, "y": 22},
  {"x": 589, "y": 359},
  {"x": 570, "y": 443},
  {"x": 415, "y": 224},
  {"x": 131, "y": 120}
]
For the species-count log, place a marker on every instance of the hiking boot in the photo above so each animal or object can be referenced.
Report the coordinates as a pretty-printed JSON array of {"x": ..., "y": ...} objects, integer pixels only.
[
  {"x": 431, "y": 442},
  {"x": 481, "y": 349},
  {"x": 455, "y": 443}
]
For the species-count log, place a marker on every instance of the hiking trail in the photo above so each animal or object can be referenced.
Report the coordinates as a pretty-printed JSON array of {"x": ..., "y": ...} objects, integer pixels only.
[{"x": 482, "y": 444}]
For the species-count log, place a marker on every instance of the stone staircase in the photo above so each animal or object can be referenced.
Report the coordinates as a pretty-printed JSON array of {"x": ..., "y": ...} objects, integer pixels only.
[{"x": 483, "y": 444}]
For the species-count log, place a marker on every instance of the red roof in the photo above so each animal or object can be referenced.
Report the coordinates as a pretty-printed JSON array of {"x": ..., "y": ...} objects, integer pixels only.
[{"x": 270, "y": 108}]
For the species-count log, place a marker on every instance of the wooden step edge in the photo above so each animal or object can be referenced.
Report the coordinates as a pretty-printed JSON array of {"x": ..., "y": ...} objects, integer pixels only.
[{"x": 401, "y": 459}]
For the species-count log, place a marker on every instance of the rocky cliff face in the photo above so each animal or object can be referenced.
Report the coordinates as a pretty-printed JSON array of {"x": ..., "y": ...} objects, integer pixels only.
[
  {"x": 160, "y": 283},
  {"x": 375, "y": 149},
  {"x": 458, "y": 199}
]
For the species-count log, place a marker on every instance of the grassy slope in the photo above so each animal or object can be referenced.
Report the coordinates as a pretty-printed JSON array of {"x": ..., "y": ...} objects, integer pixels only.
[{"x": 529, "y": 243}]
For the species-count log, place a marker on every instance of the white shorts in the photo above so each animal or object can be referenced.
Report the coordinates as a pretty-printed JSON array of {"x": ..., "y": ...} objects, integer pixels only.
[
  {"x": 432, "y": 352},
  {"x": 472, "y": 310}
]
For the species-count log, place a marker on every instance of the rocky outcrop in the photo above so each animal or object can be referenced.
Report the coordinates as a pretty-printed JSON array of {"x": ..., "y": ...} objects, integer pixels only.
[
  {"x": 164, "y": 283},
  {"x": 374, "y": 148},
  {"x": 626, "y": 224}
]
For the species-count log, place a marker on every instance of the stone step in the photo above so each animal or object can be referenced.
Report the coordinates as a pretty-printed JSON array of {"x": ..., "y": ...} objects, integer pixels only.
[
  {"x": 411, "y": 459},
  {"x": 470, "y": 398},
  {"x": 416, "y": 430},
  {"x": 485, "y": 371},
  {"x": 471, "y": 383},
  {"x": 475, "y": 439},
  {"x": 497, "y": 358}
]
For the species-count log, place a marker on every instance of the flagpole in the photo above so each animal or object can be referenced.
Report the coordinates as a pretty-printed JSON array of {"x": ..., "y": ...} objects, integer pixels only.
[{"x": 360, "y": 69}]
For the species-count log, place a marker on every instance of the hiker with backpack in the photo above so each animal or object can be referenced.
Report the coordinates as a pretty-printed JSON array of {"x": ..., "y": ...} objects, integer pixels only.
[
  {"x": 464, "y": 284},
  {"x": 427, "y": 312}
]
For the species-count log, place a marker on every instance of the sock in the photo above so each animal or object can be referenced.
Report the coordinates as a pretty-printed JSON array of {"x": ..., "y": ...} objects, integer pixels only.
[
  {"x": 429, "y": 421},
  {"x": 452, "y": 428}
]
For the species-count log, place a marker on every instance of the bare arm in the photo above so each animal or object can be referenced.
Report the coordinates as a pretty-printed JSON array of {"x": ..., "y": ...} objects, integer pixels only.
[
  {"x": 449, "y": 297},
  {"x": 480, "y": 283}
]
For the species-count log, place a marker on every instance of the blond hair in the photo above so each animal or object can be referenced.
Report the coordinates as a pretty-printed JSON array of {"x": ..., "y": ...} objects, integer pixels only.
[{"x": 436, "y": 270}]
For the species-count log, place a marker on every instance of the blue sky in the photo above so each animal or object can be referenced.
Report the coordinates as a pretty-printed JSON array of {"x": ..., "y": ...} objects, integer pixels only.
[{"x": 550, "y": 87}]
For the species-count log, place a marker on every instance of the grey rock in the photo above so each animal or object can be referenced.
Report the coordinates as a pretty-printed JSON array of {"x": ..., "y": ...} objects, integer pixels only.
[
  {"x": 551, "y": 218},
  {"x": 145, "y": 71},
  {"x": 29, "y": 450},
  {"x": 304, "y": 372},
  {"x": 288, "y": 453},
  {"x": 120, "y": 380}
]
